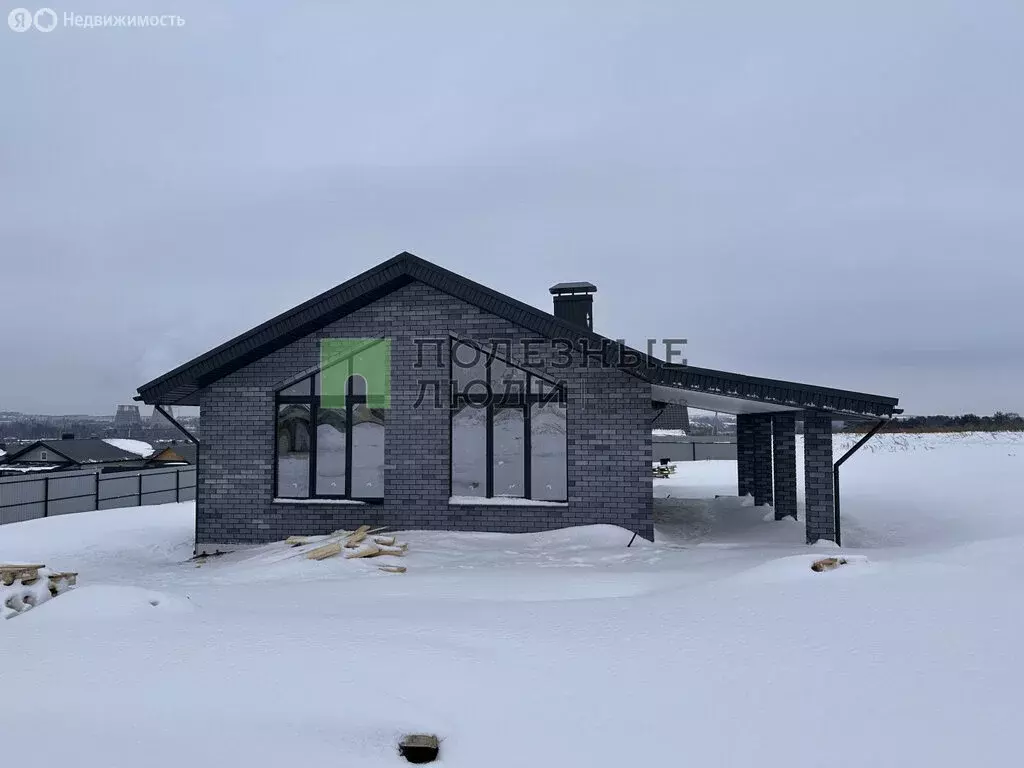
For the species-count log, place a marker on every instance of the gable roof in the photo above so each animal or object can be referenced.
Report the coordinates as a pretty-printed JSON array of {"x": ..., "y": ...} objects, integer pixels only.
[
  {"x": 175, "y": 453},
  {"x": 181, "y": 386},
  {"x": 80, "y": 451}
]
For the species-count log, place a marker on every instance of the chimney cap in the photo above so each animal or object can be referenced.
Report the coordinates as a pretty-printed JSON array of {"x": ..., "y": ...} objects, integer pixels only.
[{"x": 578, "y": 287}]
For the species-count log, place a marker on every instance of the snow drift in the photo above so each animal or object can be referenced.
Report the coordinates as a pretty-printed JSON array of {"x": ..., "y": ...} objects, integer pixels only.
[{"x": 714, "y": 646}]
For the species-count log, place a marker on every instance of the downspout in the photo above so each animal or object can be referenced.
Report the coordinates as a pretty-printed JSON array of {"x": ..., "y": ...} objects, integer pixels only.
[{"x": 835, "y": 473}]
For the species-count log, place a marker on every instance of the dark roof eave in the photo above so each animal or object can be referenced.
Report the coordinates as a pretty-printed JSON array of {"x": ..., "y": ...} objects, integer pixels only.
[
  {"x": 313, "y": 313},
  {"x": 786, "y": 393}
]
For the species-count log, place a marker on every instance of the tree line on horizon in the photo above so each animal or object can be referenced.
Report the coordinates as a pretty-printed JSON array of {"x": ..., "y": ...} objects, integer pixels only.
[{"x": 1000, "y": 421}]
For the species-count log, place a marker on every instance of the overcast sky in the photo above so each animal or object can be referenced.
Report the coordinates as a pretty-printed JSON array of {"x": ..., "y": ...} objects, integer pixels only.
[{"x": 827, "y": 192}]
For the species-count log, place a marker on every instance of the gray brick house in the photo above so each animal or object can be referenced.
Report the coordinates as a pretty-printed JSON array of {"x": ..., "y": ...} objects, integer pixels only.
[{"x": 491, "y": 415}]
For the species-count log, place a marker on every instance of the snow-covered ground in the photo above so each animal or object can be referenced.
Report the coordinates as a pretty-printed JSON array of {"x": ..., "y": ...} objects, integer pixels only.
[{"x": 715, "y": 646}]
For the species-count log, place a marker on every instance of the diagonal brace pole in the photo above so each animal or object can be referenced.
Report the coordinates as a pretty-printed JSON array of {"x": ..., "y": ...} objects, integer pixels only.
[
  {"x": 174, "y": 421},
  {"x": 835, "y": 472}
]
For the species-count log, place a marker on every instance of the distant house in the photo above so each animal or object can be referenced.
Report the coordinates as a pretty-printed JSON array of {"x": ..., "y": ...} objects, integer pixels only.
[
  {"x": 91, "y": 453},
  {"x": 178, "y": 453}
]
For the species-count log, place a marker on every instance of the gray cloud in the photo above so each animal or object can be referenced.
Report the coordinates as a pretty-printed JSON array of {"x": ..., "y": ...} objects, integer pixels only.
[{"x": 825, "y": 192}]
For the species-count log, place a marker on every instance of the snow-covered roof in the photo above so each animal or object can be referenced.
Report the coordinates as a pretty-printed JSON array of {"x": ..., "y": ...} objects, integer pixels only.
[
  {"x": 139, "y": 448},
  {"x": 89, "y": 450}
]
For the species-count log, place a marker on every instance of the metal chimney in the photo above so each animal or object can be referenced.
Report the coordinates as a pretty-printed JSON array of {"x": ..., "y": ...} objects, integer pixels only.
[{"x": 574, "y": 302}]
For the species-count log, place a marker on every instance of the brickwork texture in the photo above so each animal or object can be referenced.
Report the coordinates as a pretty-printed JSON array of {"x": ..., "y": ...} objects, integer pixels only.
[
  {"x": 673, "y": 416},
  {"x": 608, "y": 423},
  {"x": 745, "y": 436},
  {"x": 819, "y": 502},
  {"x": 762, "y": 425},
  {"x": 784, "y": 456}
]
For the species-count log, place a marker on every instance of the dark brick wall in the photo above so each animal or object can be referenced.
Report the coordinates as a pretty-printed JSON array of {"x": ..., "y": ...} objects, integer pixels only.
[
  {"x": 818, "y": 498},
  {"x": 784, "y": 456},
  {"x": 673, "y": 416},
  {"x": 762, "y": 459},
  {"x": 745, "y": 437},
  {"x": 609, "y": 440}
]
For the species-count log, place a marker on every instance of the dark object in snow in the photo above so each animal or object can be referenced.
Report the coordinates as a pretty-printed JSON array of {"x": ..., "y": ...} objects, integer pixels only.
[
  {"x": 664, "y": 468},
  {"x": 419, "y": 748},
  {"x": 827, "y": 564}
]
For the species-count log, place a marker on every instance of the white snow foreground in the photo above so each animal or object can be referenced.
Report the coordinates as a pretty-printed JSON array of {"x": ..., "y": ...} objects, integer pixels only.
[{"x": 716, "y": 646}]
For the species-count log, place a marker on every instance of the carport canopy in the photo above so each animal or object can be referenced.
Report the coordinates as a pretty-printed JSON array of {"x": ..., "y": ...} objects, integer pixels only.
[{"x": 735, "y": 393}]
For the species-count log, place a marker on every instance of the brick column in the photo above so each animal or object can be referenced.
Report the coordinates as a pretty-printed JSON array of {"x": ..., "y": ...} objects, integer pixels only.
[
  {"x": 820, "y": 513},
  {"x": 763, "y": 459},
  {"x": 745, "y": 436},
  {"x": 784, "y": 455}
]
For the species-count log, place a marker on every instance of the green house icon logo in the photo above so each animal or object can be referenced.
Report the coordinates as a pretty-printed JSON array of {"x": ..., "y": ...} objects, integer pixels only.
[{"x": 355, "y": 367}]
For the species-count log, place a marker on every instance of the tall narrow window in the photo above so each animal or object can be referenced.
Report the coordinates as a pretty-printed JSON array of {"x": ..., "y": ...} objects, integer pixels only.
[
  {"x": 367, "y": 452},
  {"x": 330, "y": 446},
  {"x": 293, "y": 450},
  {"x": 548, "y": 451},
  {"x": 509, "y": 462},
  {"x": 508, "y": 429},
  {"x": 469, "y": 450},
  {"x": 331, "y": 451}
]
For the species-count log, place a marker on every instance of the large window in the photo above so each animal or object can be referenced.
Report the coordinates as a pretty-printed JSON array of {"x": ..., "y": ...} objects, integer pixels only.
[
  {"x": 329, "y": 447},
  {"x": 508, "y": 429}
]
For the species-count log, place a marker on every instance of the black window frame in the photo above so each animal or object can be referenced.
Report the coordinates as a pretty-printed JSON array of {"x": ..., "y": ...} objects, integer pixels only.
[
  {"x": 314, "y": 402},
  {"x": 487, "y": 399}
]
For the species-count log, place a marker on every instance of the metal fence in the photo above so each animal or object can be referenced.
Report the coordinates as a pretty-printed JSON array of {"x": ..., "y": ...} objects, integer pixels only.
[
  {"x": 694, "y": 447},
  {"x": 64, "y": 493}
]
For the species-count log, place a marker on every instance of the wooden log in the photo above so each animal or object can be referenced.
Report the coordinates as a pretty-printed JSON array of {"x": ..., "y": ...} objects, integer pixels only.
[
  {"x": 388, "y": 541},
  {"x": 60, "y": 582},
  {"x": 26, "y": 574},
  {"x": 391, "y": 568},
  {"x": 329, "y": 549},
  {"x": 298, "y": 541},
  {"x": 397, "y": 551},
  {"x": 419, "y": 748},
  {"x": 827, "y": 564},
  {"x": 358, "y": 536},
  {"x": 368, "y": 549}
]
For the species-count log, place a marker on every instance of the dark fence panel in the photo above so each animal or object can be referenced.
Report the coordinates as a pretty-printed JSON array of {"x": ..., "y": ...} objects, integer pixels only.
[
  {"x": 65, "y": 493},
  {"x": 22, "y": 500}
]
